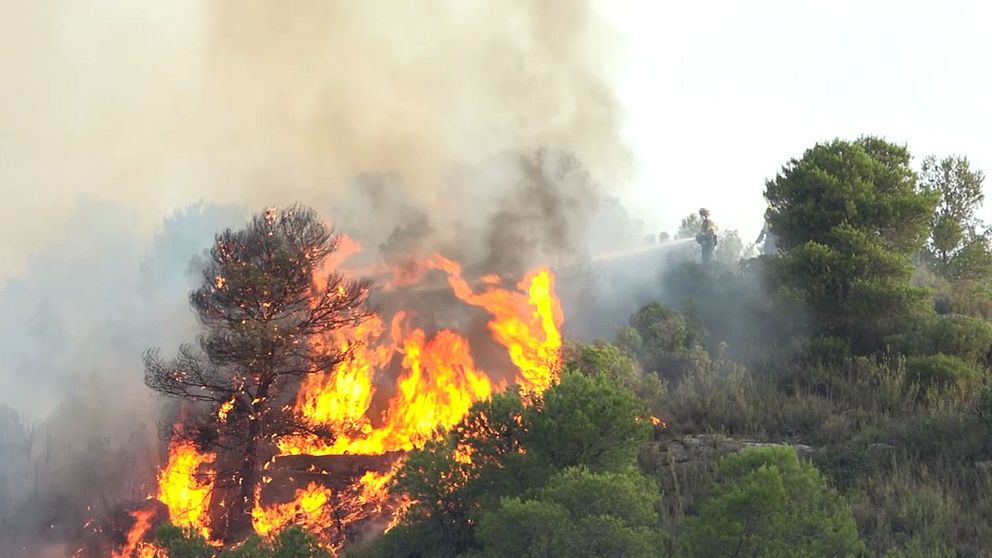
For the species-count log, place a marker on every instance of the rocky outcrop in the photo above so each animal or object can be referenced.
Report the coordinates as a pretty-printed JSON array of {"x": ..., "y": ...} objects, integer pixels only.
[{"x": 706, "y": 448}]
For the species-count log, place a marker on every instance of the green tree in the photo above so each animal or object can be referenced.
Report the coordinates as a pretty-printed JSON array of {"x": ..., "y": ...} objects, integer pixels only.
[
  {"x": 513, "y": 448},
  {"x": 577, "y": 514},
  {"x": 451, "y": 491},
  {"x": 953, "y": 222},
  {"x": 766, "y": 503},
  {"x": 585, "y": 421},
  {"x": 849, "y": 217},
  {"x": 665, "y": 341},
  {"x": 259, "y": 304}
]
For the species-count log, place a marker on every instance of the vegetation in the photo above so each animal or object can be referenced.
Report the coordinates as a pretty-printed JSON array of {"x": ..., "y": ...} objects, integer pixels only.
[
  {"x": 258, "y": 305},
  {"x": 766, "y": 502},
  {"x": 848, "y": 218},
  {"x": 293, "y": 542},
  {"x": 832, "y": 398},
  {"x": 563, "y": 466}
]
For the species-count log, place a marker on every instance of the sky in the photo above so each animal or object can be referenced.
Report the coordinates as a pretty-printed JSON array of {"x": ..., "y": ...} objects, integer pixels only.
[
  {"x": 715, "y": 97},
  {"x": 720, "y": 94}
]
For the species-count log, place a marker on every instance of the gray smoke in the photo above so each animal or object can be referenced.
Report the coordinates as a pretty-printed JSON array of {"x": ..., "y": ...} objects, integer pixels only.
[
  {"x": 488, "y": 131},
  {"x": 78, "y": 429}
]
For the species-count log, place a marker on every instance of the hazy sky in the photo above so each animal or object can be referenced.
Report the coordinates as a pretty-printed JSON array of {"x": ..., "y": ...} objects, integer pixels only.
[
  {"x": 720, "y": 94},
  {"x": 99, "y": 98}
]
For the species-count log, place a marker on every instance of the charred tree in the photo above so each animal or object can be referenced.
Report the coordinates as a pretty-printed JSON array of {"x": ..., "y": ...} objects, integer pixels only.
[{"x": 261, "y": 305}]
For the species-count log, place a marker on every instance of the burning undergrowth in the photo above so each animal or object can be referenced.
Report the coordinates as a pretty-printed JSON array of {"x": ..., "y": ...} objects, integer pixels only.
[{"x": 441, "y": 341}]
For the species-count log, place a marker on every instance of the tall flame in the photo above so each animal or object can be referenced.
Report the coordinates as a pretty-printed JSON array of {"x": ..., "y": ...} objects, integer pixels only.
[
  {"x": 527, "y": 322},
  {"x": 436, "y": 384},
  {"x": 135, "y": 545},
  {"x": 439, "y": 380},
  {"x": 185, "y": 485}
]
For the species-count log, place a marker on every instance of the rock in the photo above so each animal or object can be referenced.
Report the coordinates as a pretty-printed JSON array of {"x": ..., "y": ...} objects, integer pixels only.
[{"x": 707, "y": 448}]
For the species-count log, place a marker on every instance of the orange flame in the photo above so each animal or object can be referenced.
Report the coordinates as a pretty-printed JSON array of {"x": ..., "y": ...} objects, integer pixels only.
[
  {"x": 185, "y": 486},
  {"x": 527, "y": 322},
  {"x": 439, "y": 379},
  {"x": 134, "y": 546},
  {"x": 309, "y": 509},
  {"x": 436, "y": 384}
]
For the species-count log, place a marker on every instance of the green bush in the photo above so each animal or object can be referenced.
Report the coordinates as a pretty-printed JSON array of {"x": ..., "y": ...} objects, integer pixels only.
[
  {"x": 767, "y": 503},
  {"x": 941, "y": 372},
  {"x": 613, "y": 363},
  {"x": 583, "y": 421},
  {"x": 964, "y": 337},
  {"x": 983, "y": 406},
  {"x": 665, "y": 341},
  {"x": 826, "y": 351},
  {"x": 715, "y": 398},
  {"x": 182, "y": 543},
  {"x": 578, "y": 514}
]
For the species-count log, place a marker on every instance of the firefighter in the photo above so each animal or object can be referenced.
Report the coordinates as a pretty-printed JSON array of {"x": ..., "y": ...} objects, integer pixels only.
[
  {"x": 707, "y": 236},
  {"x": 766, "y": 240}
]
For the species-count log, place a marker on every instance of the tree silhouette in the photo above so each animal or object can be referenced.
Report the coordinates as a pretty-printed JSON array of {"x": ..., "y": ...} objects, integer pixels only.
[{"x": 261, "y": 307}]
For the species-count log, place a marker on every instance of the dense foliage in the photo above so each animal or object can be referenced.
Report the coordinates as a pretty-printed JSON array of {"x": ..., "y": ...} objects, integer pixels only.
[
  {"x": 848, "y": 218},
  {"x": 831, "y": 397},
  {"x": 767, "y": 503},
  {"x": 530, "y": 462}
]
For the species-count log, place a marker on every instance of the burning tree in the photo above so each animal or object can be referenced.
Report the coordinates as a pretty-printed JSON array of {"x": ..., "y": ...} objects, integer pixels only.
[{"x": 267, "y": 292}]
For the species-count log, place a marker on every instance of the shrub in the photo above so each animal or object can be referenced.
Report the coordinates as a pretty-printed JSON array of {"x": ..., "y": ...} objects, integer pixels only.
[
  {"x": 983, "y": 406},
  {"x": 665, "y": 341},
  {"x": 716, "y": 398},
  {"x": 182, "y": 543},
  {"x": 917, "y": 514},
  {"x": 941, "y": 372},
  {"x": 961, "y": 336},
  {"x": 767, "y": 503},
  {"x": 292, "y": 542},
  {"x": 578, "y": 514},
  {"x": 583, "y": 421},
  {"x": 613, "y": 363}
]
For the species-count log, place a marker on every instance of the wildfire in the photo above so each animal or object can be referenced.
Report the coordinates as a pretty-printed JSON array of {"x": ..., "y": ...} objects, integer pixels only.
[
  {"x": 439, "y": 379},
  {"x": 185, "y": 486},
  {"x": 309, "y": 509},
  {"x": 527, "y": 322},
  {"x": 225, "y": 409},
  {"x": 436, "y": 382},
  {"x": 135, "y": 545}
]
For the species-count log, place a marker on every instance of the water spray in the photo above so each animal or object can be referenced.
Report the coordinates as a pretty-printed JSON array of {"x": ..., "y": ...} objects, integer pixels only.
[{"x": 626, "y": 253}]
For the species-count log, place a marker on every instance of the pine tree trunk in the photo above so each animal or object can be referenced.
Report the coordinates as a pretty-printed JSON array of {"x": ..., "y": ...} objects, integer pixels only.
[{"x": 240, "y": 524}]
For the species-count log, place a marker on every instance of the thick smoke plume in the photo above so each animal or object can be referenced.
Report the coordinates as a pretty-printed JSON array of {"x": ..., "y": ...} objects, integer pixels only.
[
  {"x": 486, "y": 130},
  {"x": 266, "y": 103}
]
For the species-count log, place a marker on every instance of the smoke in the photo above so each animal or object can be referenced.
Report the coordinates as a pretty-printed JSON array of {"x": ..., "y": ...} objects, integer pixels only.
[
  {"x": 322, "y": 91},
  {"x": 78, "y": 429},
  {"x": 487, "y": 130},
  {"x": 266, "y": 103}
]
